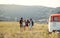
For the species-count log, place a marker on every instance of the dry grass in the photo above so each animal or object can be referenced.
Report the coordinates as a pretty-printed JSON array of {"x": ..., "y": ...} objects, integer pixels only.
[{"x": 12, "y": 30}]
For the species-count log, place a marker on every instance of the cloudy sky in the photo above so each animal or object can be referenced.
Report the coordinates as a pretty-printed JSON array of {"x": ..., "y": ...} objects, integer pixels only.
[{"x": 48, "y": 3}]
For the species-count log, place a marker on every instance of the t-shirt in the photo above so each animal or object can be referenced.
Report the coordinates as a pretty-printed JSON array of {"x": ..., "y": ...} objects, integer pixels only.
[{"x": 23, "y": 23}]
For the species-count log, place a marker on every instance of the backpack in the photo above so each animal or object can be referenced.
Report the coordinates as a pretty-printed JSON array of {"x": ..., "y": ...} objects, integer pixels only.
[{"x": 32, "y": 23}]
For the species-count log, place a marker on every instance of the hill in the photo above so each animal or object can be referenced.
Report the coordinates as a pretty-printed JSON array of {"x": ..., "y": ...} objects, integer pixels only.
[{"x": 14, "y": 12}]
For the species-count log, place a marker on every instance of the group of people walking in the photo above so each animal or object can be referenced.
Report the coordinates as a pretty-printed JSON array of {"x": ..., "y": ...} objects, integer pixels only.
[{"x": 26, "y": 23}]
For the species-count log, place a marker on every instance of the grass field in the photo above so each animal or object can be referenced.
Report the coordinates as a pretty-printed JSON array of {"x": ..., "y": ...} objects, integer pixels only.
[{"x": 12, "y": 30}]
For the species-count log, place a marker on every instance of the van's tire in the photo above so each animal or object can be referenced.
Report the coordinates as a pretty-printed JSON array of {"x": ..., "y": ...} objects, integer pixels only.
[{"x": 54, "y": 30}]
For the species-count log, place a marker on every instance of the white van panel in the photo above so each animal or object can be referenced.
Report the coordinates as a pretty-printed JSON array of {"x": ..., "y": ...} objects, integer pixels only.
[{"x": 54, "y": 26}]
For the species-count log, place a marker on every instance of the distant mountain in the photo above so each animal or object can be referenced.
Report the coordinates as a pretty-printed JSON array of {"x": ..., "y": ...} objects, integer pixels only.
[
  {"x": 13, "y": 12},
  {"x": 57, "y": 10}
]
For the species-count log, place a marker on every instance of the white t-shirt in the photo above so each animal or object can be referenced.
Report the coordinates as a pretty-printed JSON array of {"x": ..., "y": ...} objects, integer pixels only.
[{"x": 23, "y": 23}]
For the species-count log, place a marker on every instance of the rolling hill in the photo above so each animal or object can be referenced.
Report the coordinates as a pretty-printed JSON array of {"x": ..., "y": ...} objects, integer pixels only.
[{"x": 14, "y": 12}]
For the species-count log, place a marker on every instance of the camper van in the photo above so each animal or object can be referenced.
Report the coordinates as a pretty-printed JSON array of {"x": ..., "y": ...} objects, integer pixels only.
[{"x": 54, "y": 22}]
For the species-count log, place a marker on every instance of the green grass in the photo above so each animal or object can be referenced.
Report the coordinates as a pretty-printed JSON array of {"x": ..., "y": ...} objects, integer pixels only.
[{"x": 12, "y": 30}]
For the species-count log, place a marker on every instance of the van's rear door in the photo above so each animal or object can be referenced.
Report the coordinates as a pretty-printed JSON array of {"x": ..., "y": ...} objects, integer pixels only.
[{"x": 56, "y": 23}]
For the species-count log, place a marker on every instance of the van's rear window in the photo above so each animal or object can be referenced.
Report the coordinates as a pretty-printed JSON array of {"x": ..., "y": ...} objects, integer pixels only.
[{"x": 55, "y": 19}]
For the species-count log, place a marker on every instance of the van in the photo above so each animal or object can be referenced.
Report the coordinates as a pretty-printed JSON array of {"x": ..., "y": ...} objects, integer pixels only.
[{"x": 54, "y": 22}]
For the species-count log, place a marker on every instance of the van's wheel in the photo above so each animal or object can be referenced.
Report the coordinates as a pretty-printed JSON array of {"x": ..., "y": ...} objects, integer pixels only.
[{"x": 54, "y": 31}]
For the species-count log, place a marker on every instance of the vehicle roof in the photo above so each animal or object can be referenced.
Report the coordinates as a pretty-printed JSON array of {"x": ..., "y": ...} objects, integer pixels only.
[{"x": 55, "y": 14}]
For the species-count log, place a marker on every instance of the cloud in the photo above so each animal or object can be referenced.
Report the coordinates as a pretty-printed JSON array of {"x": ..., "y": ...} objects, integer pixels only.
[{"x": 49, "y": 3}]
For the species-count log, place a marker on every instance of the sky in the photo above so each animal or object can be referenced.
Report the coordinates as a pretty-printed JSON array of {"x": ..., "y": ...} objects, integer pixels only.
[{"x": 47, "y": 3}]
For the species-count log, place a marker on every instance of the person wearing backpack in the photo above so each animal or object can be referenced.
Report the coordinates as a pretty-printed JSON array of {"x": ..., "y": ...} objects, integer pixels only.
[{"x": 31, "y": 23}]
